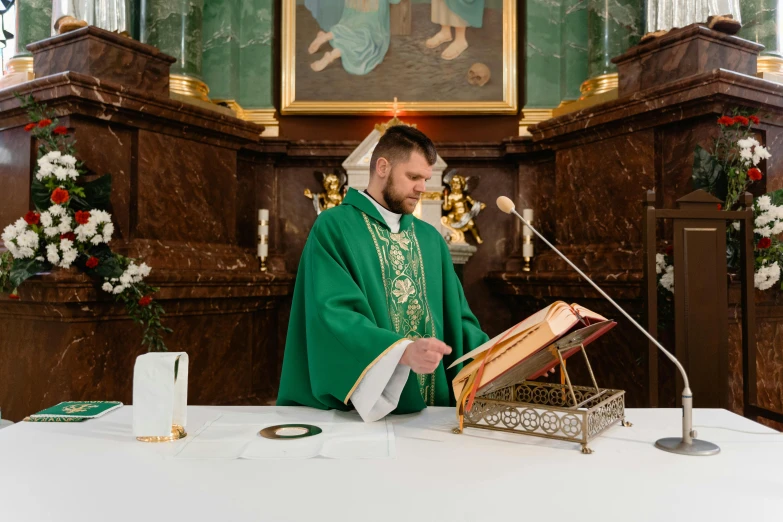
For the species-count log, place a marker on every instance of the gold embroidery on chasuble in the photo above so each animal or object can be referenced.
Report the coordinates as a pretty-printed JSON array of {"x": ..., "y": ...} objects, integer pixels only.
[{"x": 402, "y": 269}]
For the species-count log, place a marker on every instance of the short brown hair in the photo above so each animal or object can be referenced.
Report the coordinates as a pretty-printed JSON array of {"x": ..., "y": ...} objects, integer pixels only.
[{"x": 399, "y": 142}]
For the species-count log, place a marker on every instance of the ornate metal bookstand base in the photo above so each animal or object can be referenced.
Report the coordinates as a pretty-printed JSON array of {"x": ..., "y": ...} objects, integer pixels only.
[{"x": 553, "y": 411}]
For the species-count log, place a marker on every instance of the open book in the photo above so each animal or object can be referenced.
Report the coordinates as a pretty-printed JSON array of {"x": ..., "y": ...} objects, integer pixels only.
[{"x": 527, "y": 350}]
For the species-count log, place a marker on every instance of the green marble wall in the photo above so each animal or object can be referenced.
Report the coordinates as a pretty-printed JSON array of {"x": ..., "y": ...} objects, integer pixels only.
[
  {"x": 542, "y": 53},
  {"x": 613, "y": 27},
  {"x": 255, "y": 54},
  {"x": 220, "y": 61},
  {"x": 175, "y": 27},
  {"x": 760, "y": 24},
  {"x": 573, "y": 54},
  {"x": 33, "y": 23}
]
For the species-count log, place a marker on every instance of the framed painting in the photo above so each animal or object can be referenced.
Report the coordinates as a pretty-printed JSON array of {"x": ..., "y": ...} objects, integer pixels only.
[{"x": 433, "y": 56}]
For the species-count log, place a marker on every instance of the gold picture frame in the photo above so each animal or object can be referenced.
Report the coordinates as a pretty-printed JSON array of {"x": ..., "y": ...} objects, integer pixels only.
[{"x": 291, "y": 105}]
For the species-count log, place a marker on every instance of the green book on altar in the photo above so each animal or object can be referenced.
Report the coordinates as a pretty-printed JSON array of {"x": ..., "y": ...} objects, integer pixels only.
[{"x": 74, "y": 411}]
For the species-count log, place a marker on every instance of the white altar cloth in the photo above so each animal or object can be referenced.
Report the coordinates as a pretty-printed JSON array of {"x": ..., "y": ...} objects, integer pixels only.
[{"x": 97, "y": 471}]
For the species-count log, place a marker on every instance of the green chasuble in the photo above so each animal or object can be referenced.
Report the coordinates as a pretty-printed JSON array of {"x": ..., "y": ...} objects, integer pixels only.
[{"x": 360, "y": 290}]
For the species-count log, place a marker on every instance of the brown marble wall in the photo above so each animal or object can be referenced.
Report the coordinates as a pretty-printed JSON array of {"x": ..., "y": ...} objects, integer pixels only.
[{"x": 182, "y": 204}]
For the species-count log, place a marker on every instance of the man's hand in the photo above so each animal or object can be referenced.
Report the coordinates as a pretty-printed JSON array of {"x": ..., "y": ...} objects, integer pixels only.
[{"x": 424, "y": 355}]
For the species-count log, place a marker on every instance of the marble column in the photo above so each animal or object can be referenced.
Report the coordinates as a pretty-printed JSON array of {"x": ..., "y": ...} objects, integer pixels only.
[
  {"x": 256, "y": 63},
  {"x": 33, "y": 23},
  {"x": 175, "y": 27},
  {"x": 573, "y": 49},
  {"x": 542, "y": 61},
  {"x": 221, "y": 48},
  {"x": 760, "y": 24},
  {"x": 613, "y": 26}
]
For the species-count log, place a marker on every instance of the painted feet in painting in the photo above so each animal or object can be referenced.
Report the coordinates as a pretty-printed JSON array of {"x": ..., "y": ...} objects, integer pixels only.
[
  {"x": 456, "y": 48},
  {"x": 443, "y": 36},
  {"x": 327, "y": 58},
  {"x": 320, "y": 39}
]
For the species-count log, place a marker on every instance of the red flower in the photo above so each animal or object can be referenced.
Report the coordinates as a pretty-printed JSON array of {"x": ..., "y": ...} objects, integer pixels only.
[
  {"x": 61, "y": 130},
  {"x": 60, "y": 196},
  {"x": 44, "y": 122},
  {"x": 669, "y": 250},
  {"x": 726, "y": 121},
  {"x": 741, "y": 120},
  {"x": 92, "y": 262},
  {"x": 82, "y": 216},
  {"x": 763, "y": 243},
  {"x": 146, "y": 300},
  {"x": 13, "y": 296},
  {"x": 69, "y": 235},
  {"x": 32, "y": 218},
  {"x": 754, "y": 174},
  {"x": 29, "y": 127},
  {"x": 720, "y": 206},
  {"x": 754, "y": 119}
]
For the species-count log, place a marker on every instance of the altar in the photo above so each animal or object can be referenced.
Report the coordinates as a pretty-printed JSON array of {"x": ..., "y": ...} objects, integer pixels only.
[{"x": 96, "y": 470}]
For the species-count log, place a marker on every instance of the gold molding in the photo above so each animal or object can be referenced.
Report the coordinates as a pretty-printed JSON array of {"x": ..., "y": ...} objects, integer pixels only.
[
  {"x": 599, "y": 85},
  {"x": 433, "y": 195},
  {"x": 532, "y": 117},
  {"x": 188, "y": 86},
  {"x": 585, "y": 102},
  {"x": 769, "y": 64},
  {"x": 19, "y": 64},
  {"x": 290, "y": 105},
  {"x": 265, "y": 117}
]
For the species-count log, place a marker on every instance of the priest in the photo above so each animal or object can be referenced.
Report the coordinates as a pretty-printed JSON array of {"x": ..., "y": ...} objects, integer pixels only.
[{"x": 378, "y": 311}]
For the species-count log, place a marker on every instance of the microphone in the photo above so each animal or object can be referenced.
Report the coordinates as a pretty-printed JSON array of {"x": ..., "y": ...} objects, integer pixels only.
[{"x": 688, "y": 444}]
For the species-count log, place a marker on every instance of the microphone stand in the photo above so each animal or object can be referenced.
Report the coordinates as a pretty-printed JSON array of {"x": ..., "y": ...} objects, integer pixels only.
[{"x": 688, "y": 444}]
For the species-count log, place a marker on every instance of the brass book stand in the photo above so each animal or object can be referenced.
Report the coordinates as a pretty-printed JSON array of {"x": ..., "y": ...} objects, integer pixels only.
[{"x": 553, "y": 411}]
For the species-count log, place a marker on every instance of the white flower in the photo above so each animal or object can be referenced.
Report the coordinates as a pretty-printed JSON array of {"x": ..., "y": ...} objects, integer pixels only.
[
  {"x": 736, "y": 225},
  {"x": 73, "y": 173},
  {"x": 667, "y": 279},
  {"x": 52, "y": 255},
  {"x": 660, "y": 263},
  {"x": 144, "y": 270},
  {"x": 66, "y": 244},
  {"x": 747, "y": 143},
  {"x": 766, "y": 276},
  {"x": 764, "y": 202},
  {"x": 118, "y": 289},
  {"x": 68, "y": 258},
  {"x": 68, "y": 160},
  {"x": 108, "y": 230},
  {"x": 61, "y": 173},
  {"x": 96, "y": 239},
  {"x": 46, "y": 219},
  {"x": 126, "y": 279},
  {"x": 65, "y": 226},
  {"x": 746, "y": 154},
  {"x": 107, "y": 287},
  {"x": 55, "y": 154},
  {"x": 760, "y": 153},
  {"x": 51, "y": 231},
  {"x": 56, "y": 210}
]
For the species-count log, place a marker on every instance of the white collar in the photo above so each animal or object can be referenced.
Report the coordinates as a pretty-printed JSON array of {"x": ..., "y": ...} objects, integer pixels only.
[{"x": 392, "y": 219}]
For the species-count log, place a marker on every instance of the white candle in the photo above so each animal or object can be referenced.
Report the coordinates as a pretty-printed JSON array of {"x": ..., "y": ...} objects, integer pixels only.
[
  {"x": 263, "y": 250},
  {"x": 263, "y": 214},
  {"x": 263, "y": 230},
  {"x": 527, "y": 249},
  {"x": 527, "y": 214}
]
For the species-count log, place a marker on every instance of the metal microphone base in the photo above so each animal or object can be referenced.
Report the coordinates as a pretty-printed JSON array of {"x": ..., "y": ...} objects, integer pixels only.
[{"x": 700, "y": 448}]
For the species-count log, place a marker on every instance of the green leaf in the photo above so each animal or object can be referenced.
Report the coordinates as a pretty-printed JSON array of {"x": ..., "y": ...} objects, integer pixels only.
[
  {"x": 708, "y": 174},
  {"x": 23, "y": 269},
  {"x": 776, "y": 197},
  {"x": 98, "y": 192},
  {"x": 41, "y": 195},
  {"x": 108, "y": 264}
]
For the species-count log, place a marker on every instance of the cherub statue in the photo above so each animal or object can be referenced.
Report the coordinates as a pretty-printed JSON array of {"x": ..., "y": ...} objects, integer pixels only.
[
  {"x": 461, "y": 208},
  {"x": 335, "y": 186}
]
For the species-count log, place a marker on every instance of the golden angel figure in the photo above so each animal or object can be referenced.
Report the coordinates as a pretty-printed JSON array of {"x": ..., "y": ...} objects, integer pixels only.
[
  {"x": 335, "y": 186},
  {"x": 461, "y": 208}
]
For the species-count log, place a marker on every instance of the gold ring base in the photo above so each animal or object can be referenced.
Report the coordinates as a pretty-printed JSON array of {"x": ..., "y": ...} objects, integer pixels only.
[
  {"x": 19, "y": 64},
  {"x": 188, "y": 86},
  {"x": 769, "y": 64},
  {"x": 177, "y": 432},
  {"x": 599, "y": 85}
]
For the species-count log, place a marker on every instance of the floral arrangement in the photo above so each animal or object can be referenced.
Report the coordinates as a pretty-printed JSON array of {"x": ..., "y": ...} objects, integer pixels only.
[
  {"x": 727, "y": 172},
  {"x": 71, "y": 226}
]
